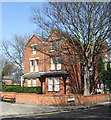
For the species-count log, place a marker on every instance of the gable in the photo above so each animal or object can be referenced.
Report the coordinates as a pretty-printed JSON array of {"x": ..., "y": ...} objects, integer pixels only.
[{"x": 33, "y": 40}]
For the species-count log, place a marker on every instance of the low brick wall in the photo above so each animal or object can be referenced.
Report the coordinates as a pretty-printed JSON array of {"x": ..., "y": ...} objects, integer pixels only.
[
  {"x": 56, "y": 99},
  {"x": 95, "y": 98}
]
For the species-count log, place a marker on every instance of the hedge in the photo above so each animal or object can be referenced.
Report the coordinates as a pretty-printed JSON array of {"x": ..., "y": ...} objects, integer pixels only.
[{"x": 19, "y": 89}]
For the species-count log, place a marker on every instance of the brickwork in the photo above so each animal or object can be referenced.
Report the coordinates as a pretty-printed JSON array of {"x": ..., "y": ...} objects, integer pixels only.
[
  {"x": 71, "y": 83},
  {"x": 55, "y": 99}
]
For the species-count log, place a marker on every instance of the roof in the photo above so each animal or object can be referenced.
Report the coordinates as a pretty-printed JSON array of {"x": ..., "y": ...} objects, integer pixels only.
[
  {"x": 38, "y": 37},
  {"x": 48, "y": 73},
  {"x": 7, "y": 78}
]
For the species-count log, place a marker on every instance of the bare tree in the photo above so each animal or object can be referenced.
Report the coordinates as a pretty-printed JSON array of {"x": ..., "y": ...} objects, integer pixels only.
[
  {"x": 14, "y": 50},
  {"x": 83, "y": 28}
]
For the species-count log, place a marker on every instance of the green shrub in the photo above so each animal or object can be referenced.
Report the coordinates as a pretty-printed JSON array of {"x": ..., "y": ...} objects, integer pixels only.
[{"x": 19, "y": 89}]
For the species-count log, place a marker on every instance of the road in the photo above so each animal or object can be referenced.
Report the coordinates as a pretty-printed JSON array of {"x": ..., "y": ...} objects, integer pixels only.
[{"x": 100, "y": 112}]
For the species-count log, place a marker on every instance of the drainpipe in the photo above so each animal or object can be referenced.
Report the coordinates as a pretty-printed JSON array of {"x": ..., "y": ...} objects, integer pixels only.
[
  {"x": 43, "y": 57},
  {"x": 21, "y": 81}
]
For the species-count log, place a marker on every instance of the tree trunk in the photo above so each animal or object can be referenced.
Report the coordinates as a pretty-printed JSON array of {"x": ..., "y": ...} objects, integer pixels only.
[{"x": 86, "y": 81}]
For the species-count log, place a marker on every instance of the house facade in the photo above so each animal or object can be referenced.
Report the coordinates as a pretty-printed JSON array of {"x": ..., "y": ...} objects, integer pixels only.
[
  {"x": 7, "y": 80},
  {"x": 41, "y": 70},
  {"x": 45, "y": 66}
]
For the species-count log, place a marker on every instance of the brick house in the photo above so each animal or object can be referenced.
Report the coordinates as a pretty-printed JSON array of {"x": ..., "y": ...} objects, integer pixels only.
[
  {"x": 7, "y": 80},
  {"x": 47, "y": 71}
]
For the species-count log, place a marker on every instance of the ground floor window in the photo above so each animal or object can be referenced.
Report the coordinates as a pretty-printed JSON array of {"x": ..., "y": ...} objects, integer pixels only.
[
  {"x": 50, "y": 84},
  {"x": 34, "y": 82},
  {"x": 29, "y": 82},
  {"x": 56, "y": 84}
]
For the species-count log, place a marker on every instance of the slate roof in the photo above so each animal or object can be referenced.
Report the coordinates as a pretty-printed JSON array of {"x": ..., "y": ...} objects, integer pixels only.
[{"x": 42, "y": 74}]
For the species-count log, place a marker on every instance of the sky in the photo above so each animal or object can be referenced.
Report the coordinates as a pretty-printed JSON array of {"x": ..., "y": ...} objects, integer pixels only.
[{"x": 16, "y": 19}]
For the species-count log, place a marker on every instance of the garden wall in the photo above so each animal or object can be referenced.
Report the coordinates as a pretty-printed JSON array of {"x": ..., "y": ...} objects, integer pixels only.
[{"x": 55, "y": 99}]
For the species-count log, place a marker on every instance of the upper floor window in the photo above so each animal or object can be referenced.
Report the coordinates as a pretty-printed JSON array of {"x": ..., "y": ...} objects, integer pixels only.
[
  {"x": 106, "y": 55},
  {"x": 36, "y": 65},
  {"x": 34, "y": 50},
  {"x": 58, "y": 62},
  {"x": 52, "y": 63},
  {"x": 31, "y": 65},
  {"x": 52, "y": 46},
  {"x": 58, "y": 45}
]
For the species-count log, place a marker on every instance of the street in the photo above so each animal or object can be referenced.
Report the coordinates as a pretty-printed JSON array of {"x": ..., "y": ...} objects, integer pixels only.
[{"x": 99, "y": 112}]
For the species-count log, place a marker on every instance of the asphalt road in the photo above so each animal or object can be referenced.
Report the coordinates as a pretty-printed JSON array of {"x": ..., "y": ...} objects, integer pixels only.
[{"x": 100, "y": 112}]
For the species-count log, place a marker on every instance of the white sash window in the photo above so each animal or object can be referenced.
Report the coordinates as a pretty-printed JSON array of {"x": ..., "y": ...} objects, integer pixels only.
[
  {"x": 58, "y": 62},
  {"x": 50, "y": 84},
  {"x": 29, "y": 82},
  {"x": 56, "y": 84},
  {"x": 34, "y": 82},
  {"x": 34, "y": 50},
  {"x": 36, "y": 65},
  {"x": 31, "y": 65},
  {"x": 52, "y": 63}
]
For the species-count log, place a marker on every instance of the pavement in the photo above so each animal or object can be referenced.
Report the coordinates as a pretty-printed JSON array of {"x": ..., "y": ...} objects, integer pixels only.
[{"x": 23, "y": 109}]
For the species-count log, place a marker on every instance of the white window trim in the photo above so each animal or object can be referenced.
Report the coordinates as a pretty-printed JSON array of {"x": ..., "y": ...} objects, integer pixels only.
[
  {"x": 34, "y": 50},
  {"x": 58, "y": 64},
  {"x": 50, "y": 85},
  {"x": 31, "y": 67},
  {"x": 52, "y": 63},
  {"x": 33, "y": 58},
  {"x": 56, "y": 86},
  {"x": 29, "y": 85},
  {"x": 34, "y": 84},
  {"x": 36, "y": 70},
  {"x": 33, "y": 45}
]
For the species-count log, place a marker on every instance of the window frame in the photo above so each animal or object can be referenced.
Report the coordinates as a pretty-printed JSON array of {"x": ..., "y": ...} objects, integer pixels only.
[
  {"x": 36, "y": 65},
  {"x": 34, "y": 79},
  {"x": 56, "y": 84},
  {"x": 28, "y": 83},
  {"x": 58, "y": 62},
  {"x": 50, "y": 84},
  {"x": 31, "y": 66},
  {"x": 52, "y": 60},
  {"x": 34, "y": 50}
]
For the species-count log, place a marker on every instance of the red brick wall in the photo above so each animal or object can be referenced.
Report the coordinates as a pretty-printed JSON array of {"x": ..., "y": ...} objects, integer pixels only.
[
  {"x": 75, "y": 71},
  {"x": 28, "y": 55},
  {"x": 56, "y": 98}
]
